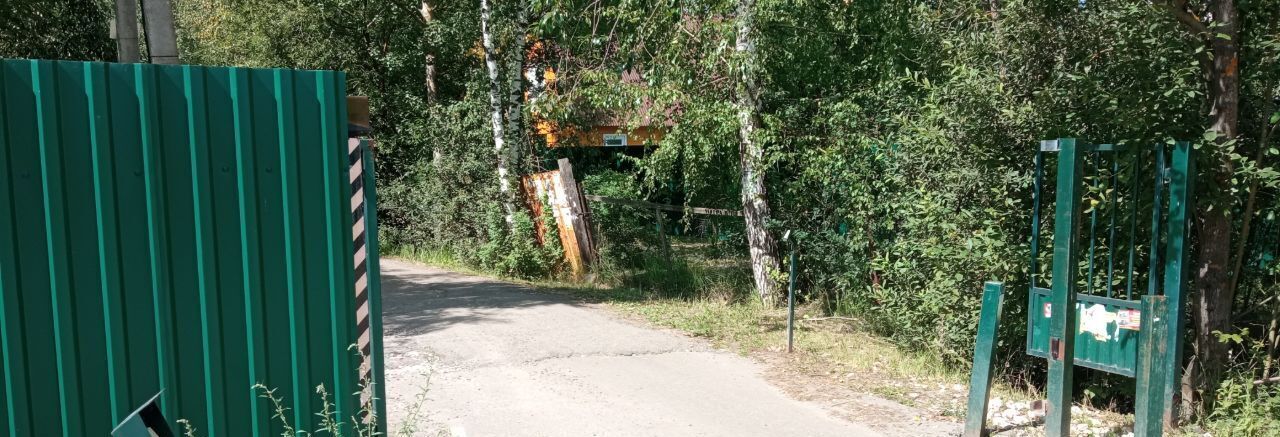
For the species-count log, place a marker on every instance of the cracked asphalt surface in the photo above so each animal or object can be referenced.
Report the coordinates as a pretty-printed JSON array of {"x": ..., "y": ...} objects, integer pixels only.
[{"x": 500, "y": 359}]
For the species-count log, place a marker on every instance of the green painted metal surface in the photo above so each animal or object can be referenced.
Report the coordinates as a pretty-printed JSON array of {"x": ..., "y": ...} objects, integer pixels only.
[
  {"x": 983, "y": 359},
  {"x": 1153, "y": 359},
  {"x": 175, "y": 228},
  {"x": 1102, "y": 331},
  {"x": 1181, "y": 199},
  {"x": 1108, "y": 342},
  {"x": 1065, "y": 265}
]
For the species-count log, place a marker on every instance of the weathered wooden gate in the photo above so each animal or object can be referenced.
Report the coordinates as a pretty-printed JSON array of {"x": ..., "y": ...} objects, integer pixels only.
[{"x": 176, "y": 229}]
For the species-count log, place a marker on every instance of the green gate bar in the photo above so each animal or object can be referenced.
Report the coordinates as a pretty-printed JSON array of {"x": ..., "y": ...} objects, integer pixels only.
[
  {"x": 1181, "y": 200},
  {"x": 172, "y": 228},
  {"x": 1153, "y": 360},
  {"x": 984, "y": 359},
  {"x": 1063, "y": 299}
]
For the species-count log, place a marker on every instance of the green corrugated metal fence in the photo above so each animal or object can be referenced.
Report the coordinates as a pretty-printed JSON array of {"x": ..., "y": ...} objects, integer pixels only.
[{"x": 176, "y": 228}]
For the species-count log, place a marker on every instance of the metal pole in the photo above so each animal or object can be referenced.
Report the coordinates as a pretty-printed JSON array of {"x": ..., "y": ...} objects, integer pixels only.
[
  {"x": 983, "y": 359},
  {"x": 1063, "y": 297},
  {"x": 791, "y": 301},
  {"x": 126, "y": 31}
]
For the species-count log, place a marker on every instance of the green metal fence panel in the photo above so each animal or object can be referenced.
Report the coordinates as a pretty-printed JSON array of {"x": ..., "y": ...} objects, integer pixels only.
[
  {"x": 1106, "y": 335},
  {"x": 174, "y": 229}
]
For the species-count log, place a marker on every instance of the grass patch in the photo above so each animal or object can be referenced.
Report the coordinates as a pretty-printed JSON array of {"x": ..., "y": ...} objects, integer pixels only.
[{"x": 432, "y": 256}]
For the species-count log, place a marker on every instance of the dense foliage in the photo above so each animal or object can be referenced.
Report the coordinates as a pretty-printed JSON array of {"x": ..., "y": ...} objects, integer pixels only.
[{"x": 900, "y": 134}]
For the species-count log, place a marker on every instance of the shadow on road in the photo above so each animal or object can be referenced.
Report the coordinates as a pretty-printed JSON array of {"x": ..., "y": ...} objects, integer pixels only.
[{"x": 421, "y": 301}]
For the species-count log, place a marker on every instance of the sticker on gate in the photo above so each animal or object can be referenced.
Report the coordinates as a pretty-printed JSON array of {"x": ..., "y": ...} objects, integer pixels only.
[{"x": 1129, "y": 319}]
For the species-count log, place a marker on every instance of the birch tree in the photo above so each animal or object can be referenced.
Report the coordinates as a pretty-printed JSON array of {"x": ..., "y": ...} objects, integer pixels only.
[
  {"x": 755, "y": 205},
  {"x": 515, "y": 78},
  {"x": 500, "y": 147}
]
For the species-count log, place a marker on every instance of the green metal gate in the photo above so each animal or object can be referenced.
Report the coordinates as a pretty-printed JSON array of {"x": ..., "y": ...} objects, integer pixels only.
[
  {"x": 179, "y": 229},
  {"x": 1111, "y": 295}
]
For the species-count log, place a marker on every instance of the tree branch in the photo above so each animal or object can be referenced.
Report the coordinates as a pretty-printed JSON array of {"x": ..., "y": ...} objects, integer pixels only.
[{"x": 1184, "y": 15}]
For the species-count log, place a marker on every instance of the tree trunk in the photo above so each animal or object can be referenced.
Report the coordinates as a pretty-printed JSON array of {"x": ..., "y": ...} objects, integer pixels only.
[
  {"x": 429, "y": 78},
  {"x": 495, "y": 109},
  {"x": 429, "y": 73},
  {"x": 1213, "y": 296},
  {"x": 755, "y": 205},
  {"x": 515, "y": 83}
]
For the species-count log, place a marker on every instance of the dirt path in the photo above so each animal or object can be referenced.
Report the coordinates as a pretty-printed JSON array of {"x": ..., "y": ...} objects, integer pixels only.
[{"x": 499, "y": 359}]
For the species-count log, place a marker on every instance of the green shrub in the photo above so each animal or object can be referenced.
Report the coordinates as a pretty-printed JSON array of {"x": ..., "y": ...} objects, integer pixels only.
[
  {"x": 513, "y": 250},
  {"x": 1243, "y": 407},
  {"x": 623, "y": 233}
]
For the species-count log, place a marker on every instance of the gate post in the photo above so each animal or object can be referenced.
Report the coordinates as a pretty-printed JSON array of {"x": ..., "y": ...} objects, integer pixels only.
[
  {"x": 1063, "y": 298},
  {"x": 1152, "y": 369},
  {"x": 1181, "y": 199},
  {"x": 983, "y": 359}
]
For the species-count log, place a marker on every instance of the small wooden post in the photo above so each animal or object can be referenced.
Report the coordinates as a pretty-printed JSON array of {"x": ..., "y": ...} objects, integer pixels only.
[
  {"x": 1063, "y": 298},
  {"x": 1153, "y": 367},
  {"x": 662, "y": 234},
  {"x": 983, "y": 359},
  {"x": 791, "y": 300}
]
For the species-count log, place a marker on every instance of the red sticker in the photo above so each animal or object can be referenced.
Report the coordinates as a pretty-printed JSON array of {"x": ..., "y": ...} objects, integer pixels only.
[{"x": 1129, "y": 319}]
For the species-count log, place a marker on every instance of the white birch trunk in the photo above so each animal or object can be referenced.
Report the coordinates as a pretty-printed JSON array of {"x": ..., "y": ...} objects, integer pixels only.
[
  {"x": 755, "y": 206},
  {"x": 495, "y": 106},
  {"x": 515, "y": 85}
]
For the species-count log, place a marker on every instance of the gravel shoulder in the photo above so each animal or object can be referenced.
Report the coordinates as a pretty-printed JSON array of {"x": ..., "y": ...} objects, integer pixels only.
[{"x": 496, "y": 358}]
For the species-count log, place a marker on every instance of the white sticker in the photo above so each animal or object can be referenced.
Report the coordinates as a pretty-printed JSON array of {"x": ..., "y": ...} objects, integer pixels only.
[{"x": 1094, "y": 320}]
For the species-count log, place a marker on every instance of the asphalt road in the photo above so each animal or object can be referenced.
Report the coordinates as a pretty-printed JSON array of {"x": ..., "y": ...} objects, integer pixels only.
[{"x": 498, "y": 359}]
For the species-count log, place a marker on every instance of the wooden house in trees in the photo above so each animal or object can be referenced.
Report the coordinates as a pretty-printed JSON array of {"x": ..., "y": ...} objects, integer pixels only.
[{"x": 605, "y": 129}]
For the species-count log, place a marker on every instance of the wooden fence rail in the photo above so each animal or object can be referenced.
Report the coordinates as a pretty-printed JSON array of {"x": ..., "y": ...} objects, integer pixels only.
[{"x": 663, "y": 207}]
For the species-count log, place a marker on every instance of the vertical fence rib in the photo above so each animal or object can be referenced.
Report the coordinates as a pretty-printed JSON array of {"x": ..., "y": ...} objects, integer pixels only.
[
  {"x": 1156, "y": 205},
  {"x": 1130, "y": 270},
  {"x": 1111, "y": 237},
  {"x": 1093, "y": 221},
  {"x": 246, "y": 196},
  {"x": 331, "y": 148},
  {"x": 197, "y": 148},
  {"x": 154, "y": 154},
  {"x": 291, "y": 207},
  {"x": 105, "y": 227},
  {"x": 12, "y": 342},
  {"x": 1037, "y": 188},
  {"x": 49, "y": 125}
]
